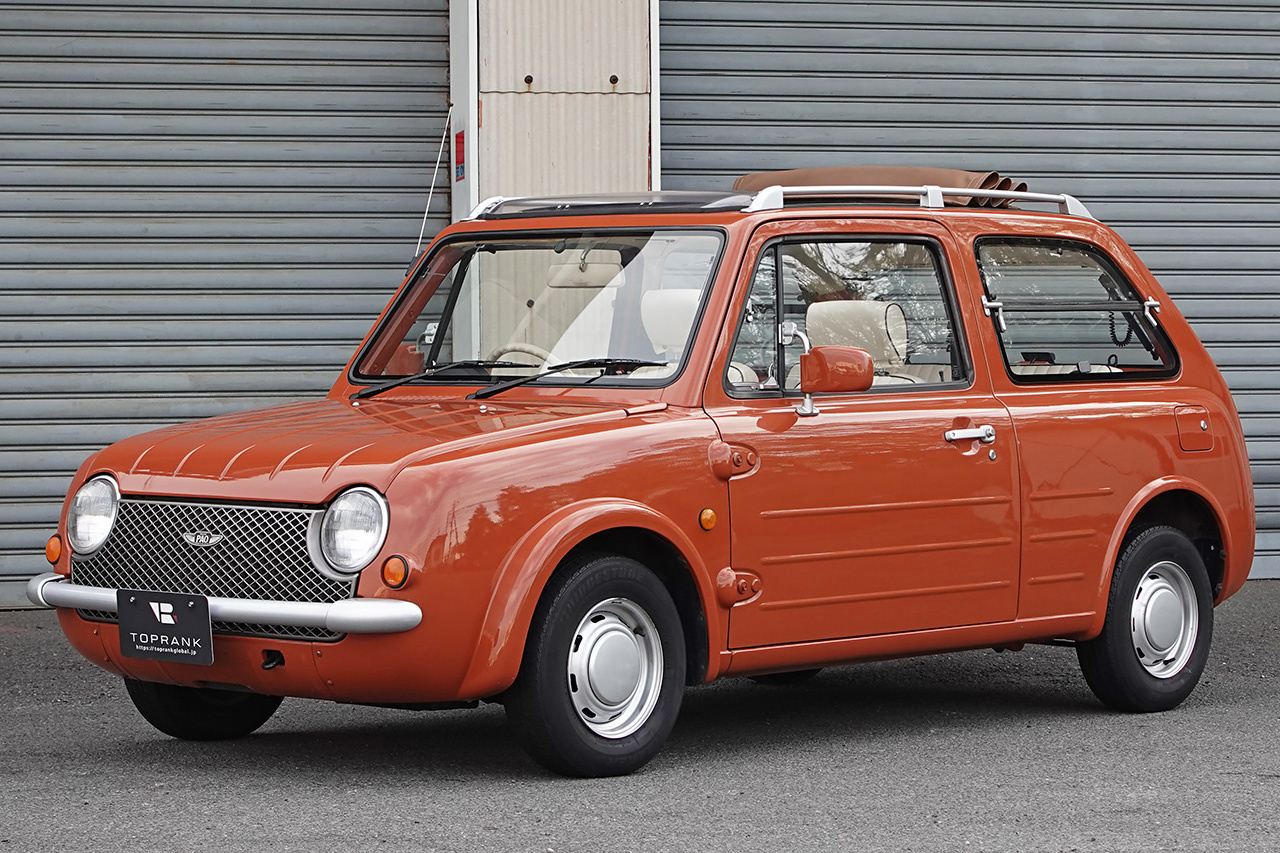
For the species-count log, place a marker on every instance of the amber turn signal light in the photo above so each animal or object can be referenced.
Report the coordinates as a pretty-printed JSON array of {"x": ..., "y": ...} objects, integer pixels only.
[
  {"x": 707, "y": 519},
  {"x": 53, "y": 549},
  {"x": 395, "y": 571}
]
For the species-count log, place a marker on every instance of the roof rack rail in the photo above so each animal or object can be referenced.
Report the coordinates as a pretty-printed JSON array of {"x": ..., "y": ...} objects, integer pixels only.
[
  {"x": 772, "y": 198},
  {"x": 484, "y": 207}
]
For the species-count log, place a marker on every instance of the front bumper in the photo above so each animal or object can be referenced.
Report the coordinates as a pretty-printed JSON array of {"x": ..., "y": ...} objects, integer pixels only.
[{"x": 348, "y": 616}]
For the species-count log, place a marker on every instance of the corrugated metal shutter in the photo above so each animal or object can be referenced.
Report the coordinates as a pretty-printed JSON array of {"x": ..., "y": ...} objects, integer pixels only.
[
  {"x": 202, "y": 207},
  {"x": 1161, "y": 116}
]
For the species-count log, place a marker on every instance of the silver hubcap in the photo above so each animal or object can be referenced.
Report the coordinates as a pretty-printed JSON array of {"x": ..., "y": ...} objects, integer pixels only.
[
  {"x": 615, "y": 668},
  {"x": 1164, "y": 620}
]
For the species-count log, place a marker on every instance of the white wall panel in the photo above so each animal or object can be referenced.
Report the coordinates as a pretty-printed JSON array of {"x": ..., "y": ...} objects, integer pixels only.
[
  {"x": 564, "y": 45},
  {"x": 566, "y": 143}
]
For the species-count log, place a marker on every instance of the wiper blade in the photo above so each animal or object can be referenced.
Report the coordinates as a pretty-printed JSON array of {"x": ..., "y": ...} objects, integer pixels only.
[
  {"x": 405, "y": 380},
  {"x": 612, "y": 367}
]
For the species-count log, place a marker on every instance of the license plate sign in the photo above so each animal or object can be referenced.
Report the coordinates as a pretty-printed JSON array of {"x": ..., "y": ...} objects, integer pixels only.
[{"x": 165, "y": 626}]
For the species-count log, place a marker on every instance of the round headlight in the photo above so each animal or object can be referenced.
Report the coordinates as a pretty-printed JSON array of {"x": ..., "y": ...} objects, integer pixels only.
[
  {"x": 92, "y": 514},
  {"x": 353, "y": 529}
]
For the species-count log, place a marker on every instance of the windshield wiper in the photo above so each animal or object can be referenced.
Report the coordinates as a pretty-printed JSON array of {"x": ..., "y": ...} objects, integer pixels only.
[
  {"x": 612, "y": 367},
  {"x": 405, "y": 380}
]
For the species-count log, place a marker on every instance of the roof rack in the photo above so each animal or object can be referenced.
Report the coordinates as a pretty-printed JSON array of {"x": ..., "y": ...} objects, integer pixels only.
[
  {"x": 668, "y": 201},
  {"x": 773, "y": 198}
]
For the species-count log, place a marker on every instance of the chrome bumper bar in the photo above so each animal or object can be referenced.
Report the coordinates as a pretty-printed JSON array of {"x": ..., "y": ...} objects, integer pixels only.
[{"x": 349, "y": 616}]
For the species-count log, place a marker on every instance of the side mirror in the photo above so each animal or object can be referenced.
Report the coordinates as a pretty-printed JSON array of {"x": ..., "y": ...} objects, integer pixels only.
[{"x": 832, "y": 369}]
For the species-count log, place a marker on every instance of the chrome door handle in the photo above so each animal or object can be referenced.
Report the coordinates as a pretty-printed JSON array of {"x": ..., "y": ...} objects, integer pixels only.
[{"x": 985, "y": 433}]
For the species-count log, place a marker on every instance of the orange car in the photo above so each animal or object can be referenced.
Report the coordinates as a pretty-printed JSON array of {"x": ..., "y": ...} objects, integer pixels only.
[{"x": 600, "y": 448}]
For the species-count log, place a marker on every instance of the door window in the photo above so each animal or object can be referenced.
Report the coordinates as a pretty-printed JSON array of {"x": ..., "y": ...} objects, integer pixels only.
[{"x": 886, "y": 297}]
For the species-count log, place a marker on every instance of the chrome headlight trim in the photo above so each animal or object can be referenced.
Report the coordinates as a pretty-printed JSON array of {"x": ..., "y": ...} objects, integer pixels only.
[
  {"x": 377, "y": 534},
  {"x": 84, "y": 547}
]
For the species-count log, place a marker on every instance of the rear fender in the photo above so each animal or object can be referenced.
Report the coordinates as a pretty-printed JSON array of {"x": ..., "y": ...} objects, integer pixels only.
[{"x": 1233, "y": 573}]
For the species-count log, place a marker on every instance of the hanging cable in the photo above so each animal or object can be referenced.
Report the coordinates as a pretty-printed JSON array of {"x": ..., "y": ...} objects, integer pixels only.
[{"x": 431, "y": 190}]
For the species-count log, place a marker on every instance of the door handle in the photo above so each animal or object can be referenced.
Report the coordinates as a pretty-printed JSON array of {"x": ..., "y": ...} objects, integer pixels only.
[{"x": 985, "y": 433}]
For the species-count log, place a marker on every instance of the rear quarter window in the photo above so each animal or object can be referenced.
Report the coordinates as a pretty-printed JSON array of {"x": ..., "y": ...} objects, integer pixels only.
[{"x": 1065, "y": 312}]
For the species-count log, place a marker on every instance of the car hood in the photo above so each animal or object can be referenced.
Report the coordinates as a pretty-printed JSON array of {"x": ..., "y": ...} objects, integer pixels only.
[{"x": 307, "y": 452}]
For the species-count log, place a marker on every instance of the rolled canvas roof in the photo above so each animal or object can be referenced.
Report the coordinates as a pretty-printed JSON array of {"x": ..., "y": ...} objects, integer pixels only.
[{"x": 909, "y": 176}]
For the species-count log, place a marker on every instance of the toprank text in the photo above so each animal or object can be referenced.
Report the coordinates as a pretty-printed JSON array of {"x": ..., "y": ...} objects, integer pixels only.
[{"x": 165, "y": 640}]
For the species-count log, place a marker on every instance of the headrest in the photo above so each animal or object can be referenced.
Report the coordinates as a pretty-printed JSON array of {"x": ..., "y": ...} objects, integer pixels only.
[
  {"x": 880, "y": 328},
  {"x": 668, "y": 316},
  {"x": 594, "y": 269}
]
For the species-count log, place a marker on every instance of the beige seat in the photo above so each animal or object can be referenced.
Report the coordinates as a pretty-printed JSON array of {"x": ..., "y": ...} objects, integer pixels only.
[
  {"x": 880, "y": 328},
  {"x": 1055, "y": 369},
  {"x": 668, "y": 316},
  {"x": 571, "y": 286}
]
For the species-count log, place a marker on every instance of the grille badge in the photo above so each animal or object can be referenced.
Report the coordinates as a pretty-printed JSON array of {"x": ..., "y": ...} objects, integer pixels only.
[{"x": 202, "y": 539}]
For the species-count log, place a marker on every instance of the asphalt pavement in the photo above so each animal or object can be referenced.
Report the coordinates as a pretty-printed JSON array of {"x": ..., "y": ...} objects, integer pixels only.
[{"x": 965, "y": 752}]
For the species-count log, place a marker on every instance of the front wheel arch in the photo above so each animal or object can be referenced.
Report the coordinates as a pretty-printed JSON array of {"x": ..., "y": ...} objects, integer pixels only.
[{"x": 530, "y": 566}]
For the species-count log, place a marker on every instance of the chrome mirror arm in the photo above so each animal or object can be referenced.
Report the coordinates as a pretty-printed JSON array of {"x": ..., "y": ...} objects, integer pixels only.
[{"x": 788, "y": 332}]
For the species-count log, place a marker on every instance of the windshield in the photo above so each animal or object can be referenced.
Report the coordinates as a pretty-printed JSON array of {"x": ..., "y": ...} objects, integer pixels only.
[{"x": 506, "y": 307}]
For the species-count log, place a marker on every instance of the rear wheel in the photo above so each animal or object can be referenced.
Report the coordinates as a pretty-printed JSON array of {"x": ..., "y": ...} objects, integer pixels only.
[
  {"x": 603, "y": 672},
  {"x": 200, "y": 713},
  {"x": 1155, "y": 641}
]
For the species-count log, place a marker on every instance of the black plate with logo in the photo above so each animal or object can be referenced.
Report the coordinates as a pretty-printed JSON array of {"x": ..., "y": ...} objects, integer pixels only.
[{"x": 165, "y": 626}]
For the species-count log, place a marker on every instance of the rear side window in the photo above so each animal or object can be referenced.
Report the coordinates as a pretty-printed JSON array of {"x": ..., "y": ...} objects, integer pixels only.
[{"x": 1065, "y": 312}]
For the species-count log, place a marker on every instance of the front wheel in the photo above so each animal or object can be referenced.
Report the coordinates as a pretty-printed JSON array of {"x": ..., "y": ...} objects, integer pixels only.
[
  {"x": 600, "y": 685},
  {"x": 1155, "y": 640},
  {"x": 200, "y": 713}
]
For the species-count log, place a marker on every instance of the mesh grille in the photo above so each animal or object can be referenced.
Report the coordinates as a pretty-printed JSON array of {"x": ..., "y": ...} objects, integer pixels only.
[{"x": 263, "y": 555}]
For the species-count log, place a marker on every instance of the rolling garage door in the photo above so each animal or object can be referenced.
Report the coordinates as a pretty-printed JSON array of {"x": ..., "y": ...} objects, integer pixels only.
[
  {"x": 202, "y": 207},
  {"x": 1161, "y": 116}
]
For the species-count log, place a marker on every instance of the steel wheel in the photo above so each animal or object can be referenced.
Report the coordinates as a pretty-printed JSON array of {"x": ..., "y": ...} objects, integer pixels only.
[
  {"x": 600, "y": 685},
  {"x": 615, "y": 668},
  {"x": 1165, "y": 620},
  {"x": 1155, "y": 639}
]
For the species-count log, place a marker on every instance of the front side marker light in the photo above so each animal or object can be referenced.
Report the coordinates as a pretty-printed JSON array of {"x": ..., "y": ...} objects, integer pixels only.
[
  {"x": 395, "y": 571},
  {"x": 53, "y": 549}
]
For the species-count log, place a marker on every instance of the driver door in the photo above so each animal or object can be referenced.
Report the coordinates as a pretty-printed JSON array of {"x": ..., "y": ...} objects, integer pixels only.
[{"x": 866, "y": 518}]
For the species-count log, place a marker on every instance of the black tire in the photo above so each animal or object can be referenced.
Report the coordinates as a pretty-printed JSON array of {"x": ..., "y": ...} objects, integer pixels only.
[
  {"x": 543, "y": 704},
  {"x": 195, "y": 713},
  {"x": 785, "y": 679},
  {"x": 1118, "y": 664}
]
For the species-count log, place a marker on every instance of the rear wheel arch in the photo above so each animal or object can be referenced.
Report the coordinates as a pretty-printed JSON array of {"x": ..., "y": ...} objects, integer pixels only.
[
  {"x": 1189, "y": 512},
  {"x": 1174, "y": 502}
]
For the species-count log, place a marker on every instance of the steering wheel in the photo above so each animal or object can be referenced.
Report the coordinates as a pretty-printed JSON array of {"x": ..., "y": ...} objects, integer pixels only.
[{"x": 525, "y": 349}]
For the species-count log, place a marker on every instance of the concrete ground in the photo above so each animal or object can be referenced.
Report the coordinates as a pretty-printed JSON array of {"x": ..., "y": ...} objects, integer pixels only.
[{"x": 966, "y": 752}]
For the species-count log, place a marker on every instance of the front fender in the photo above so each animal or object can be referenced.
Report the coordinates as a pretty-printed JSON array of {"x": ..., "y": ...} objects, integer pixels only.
[{"x": 527, "y": 568}]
